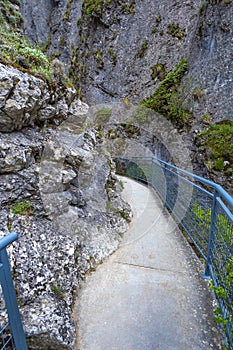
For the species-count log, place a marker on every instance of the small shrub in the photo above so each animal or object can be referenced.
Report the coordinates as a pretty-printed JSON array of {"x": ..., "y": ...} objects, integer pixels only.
[
  {"x": 217, "y": 143},
  {"x": 124, "y": 215},
  {"x": 219, "y": 164},
  {"x": 94, "y": 7},
  {"x": 22, "y": 208},
  {"x": 175, "y": 31},
  {"x": 206, "y": 118},
  {"x": 198, "y": 93},
  {"x": 169, "y": 96}
]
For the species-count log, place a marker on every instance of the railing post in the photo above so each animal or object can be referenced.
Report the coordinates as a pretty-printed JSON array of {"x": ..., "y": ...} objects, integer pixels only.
[
  {"x": 207, "y": 273},
  {"x": 165, "y": 185},
  {"x": 137, "y": 170},
  {"x": 152, "y": 173},
  {"x": 126, "y": 167},
  {"x": 11, "y": 302}
]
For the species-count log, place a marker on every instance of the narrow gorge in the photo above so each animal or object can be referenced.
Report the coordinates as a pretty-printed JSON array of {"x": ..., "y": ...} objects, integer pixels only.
[{"x": 82, "y": 82}]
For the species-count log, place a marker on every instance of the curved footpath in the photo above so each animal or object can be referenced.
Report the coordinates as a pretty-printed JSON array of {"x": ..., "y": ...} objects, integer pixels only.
[{"x": 149, "y": 295}]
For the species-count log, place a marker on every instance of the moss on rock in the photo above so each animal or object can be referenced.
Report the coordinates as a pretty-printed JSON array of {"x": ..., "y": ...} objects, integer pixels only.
[
  {"x": 217, "y": 144},
  {"x": 168, "y": 98}
]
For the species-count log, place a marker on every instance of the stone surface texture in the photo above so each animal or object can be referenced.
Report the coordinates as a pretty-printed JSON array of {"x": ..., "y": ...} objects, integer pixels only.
[
  {"x": 73, "y": 217},
  {"x": 113, "y": 51}
]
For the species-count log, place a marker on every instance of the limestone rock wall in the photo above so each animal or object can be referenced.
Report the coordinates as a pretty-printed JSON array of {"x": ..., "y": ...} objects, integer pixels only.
[
  {"x": 60, "y": 195},
  {"x": 123, "y": 51},
  {"x": 26, "y": 100}
]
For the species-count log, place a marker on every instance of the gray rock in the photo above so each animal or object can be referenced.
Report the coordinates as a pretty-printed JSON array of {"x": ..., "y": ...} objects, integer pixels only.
[
  {"x": 113, "y": 52},
  {"x": 27, "y": 101}
]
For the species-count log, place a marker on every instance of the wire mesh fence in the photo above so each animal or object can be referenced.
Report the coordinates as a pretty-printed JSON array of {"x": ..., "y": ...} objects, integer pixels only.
[{"x": 204, "y": 212}]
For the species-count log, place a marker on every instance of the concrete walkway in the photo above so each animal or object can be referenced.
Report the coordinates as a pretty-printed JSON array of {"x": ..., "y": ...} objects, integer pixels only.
[{"x": 149, "y": 295}]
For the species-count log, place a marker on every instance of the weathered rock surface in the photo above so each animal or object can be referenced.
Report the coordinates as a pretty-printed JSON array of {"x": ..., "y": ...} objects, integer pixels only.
[
  {"x": 124, "y": 51},
  {"x": 26, "y": 100},
  {"x": 73, "y": 217}
]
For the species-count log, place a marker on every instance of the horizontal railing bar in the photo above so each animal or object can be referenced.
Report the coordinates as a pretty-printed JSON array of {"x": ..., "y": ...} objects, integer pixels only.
[
  {"x": 205, "y": 214},
  {"x": 227, "y": 211},
  {"x": 212, "y": 184},
  {"x": 190, "y": 182},
  {"x": 6, "y": 240}
]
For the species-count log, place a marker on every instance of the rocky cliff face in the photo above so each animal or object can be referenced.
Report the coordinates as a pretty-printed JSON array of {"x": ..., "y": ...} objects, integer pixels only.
[
  {"x": 59, "y": 192},
  {"x": 119, "y": 50},
  {"x": 57, "y": 183}
]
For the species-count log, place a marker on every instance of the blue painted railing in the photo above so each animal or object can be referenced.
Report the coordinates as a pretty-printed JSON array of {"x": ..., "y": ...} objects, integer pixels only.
[
  {"x": 204, "y": 211},
  {"x": 12, "y": 335}
]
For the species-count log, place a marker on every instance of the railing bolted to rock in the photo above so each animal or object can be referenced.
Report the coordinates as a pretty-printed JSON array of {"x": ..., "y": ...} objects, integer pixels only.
[
  {"x": 11, "y": 330},
  {"x": 204, "y": 212}
]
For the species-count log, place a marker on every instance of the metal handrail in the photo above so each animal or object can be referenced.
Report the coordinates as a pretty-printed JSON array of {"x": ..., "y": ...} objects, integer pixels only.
[
  {"x": 11, "y": 329},
  {"x": 212, "y": 184},
  {"x": 6, "y": 240},
  {"x": 204, "y": 214}
]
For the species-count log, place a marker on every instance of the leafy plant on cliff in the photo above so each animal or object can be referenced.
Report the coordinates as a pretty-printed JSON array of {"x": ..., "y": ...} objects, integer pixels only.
[
  {"x": 97, "y": 7},
  {"x": 217, "y": 144},
  {"x": 22, "y": 208},
  {"x": 15, "y": 47},
  {"x": 9, "y": 13},
  {"x": 174, "y": 30},
  {"x": 169, "y": 96}
]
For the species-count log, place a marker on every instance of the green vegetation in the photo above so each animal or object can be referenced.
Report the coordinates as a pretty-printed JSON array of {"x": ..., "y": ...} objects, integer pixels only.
[
  {"x": 158, "y": 20},
  {"x": 128, "y": 8},
  {"x": 15, "y": 47},
  {"x": 94, "y": 7},
  {"x": 224, "y": 273},
  {"x": 124, "y": 215},
  {"x": 22, "y": 208},
  {"x": 198, "y": 93},
  {"x": 9, "y": 13},
  {"x": 174, "y": 30},
  {"x": 98, "y": 55},
  {"x": 217, "y": 143},
  {"x": 169, "y": 96},
  {"x": 158, "y": 71},
  {"x": 121, "y": 183},
  {"x": 121, "y": 234},
  {"x": 122, "y": 212},
  {"x": 62, "y": 41},
  {"x": 206, "y": 118},
  {"x": 57, "y": 290},
  {"x": 97, "y": 7}
]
